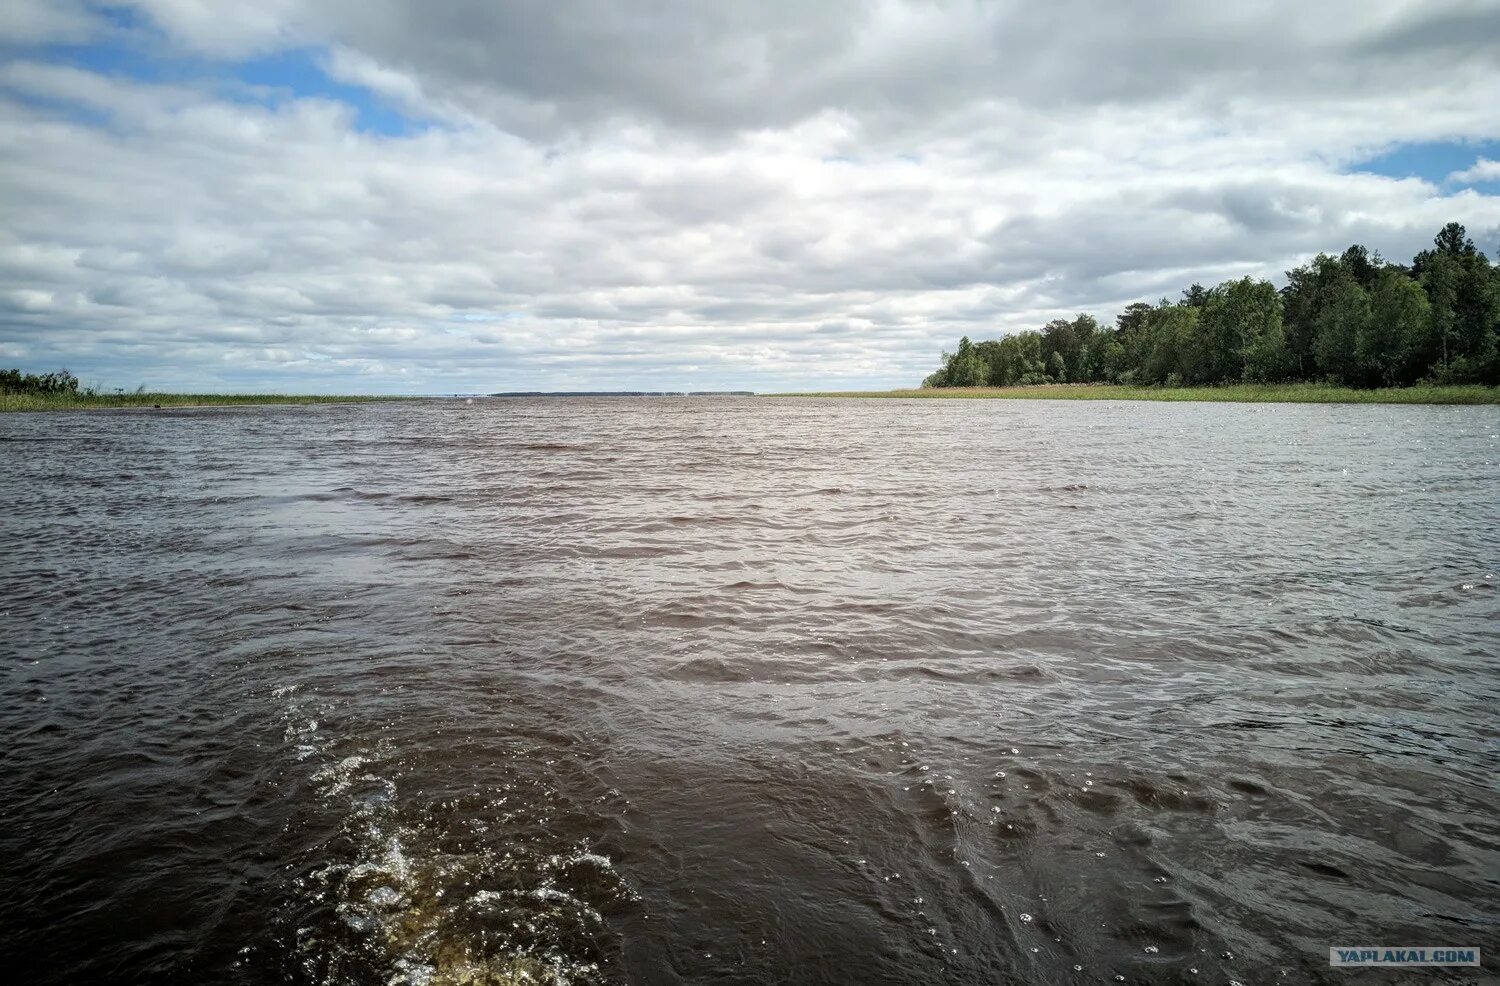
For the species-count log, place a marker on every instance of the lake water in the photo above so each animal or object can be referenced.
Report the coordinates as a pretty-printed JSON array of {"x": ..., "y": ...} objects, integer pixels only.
[{"x": 747, "y": 691}]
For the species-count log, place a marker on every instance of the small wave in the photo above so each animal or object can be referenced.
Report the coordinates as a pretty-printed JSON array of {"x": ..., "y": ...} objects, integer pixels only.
[{"x": 414, "y": 897}]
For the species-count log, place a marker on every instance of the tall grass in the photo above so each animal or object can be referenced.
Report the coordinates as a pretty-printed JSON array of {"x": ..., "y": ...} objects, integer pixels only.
[
  {"x": 67, "y": 401},
  {"x": 1311, "y": 393}
]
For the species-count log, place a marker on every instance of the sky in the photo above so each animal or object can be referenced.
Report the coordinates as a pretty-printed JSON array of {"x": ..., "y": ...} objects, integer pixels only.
[{"x": 455, "y": 197}]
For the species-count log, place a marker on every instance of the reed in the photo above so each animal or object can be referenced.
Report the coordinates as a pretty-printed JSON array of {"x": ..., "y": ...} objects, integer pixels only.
[{"x": 1290, "y": 393}]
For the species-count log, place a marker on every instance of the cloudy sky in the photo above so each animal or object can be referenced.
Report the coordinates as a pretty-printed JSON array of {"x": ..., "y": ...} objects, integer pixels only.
[{"x": 446, "y": 196}]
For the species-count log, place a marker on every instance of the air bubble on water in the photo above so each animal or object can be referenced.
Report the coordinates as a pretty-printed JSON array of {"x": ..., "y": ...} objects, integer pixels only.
[
  {"x": 1078, "y": 968},
  {"x": 1152, "y": 949},
  {"x": 384, "y": 897}
]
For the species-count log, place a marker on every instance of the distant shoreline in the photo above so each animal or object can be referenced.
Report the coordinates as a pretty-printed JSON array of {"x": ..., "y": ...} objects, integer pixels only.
[
  {"x": 625, "y": 393},
  {"x": 1296, "y": 393}
]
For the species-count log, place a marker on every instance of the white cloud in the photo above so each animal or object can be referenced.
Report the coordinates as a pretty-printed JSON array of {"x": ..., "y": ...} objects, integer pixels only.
[
  {"x": 47, "y": 22},
  {"x": 227, "y": 29},
  {"x": 1483, "y": 169},
  {"x": 716, "y": 195}
]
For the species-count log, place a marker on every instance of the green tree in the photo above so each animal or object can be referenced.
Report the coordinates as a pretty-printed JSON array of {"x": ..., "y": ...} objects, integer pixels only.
[
  {"x": 1454, "y": 240},
  {"x": 1059, "y": 339},
  {"x": 1344, "y": 317},
  {"x": 1111, "y": 362},
  {"x": 1464, "y": 299},
  {"x": 1086, "y": 333},
  {"x": 996, "y": 360},
  {"x": 1132, "y": 319},
  {"x": 1195, "y": 296},
  {"x": 965, "y": 368},
  {"x": 1363, "y": 267},
  {"x": 1307, "y": 290},
  {"x": 1028, "y": 357},
  {"x": 1353, "y": 317},
  {"x": 1057, "y": 368},
  {"x": 1242, "y": 334},
  {"x": 58, "y": 382},
  {"x": 1391, "y": 344},
  {"x": 1441, "y": 273},
  {"x": 1164, "y": 350},
  {"x": 1477, "y": 310}
]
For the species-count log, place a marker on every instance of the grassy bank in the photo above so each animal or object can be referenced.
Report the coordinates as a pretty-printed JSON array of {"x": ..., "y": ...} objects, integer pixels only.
[
  {"x": 80, "y": 401},
  {"x": 1311, "y": 393}
]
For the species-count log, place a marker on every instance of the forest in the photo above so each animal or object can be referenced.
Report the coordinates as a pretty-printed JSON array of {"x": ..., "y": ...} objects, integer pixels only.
[{"x": 1354, "y": 319}]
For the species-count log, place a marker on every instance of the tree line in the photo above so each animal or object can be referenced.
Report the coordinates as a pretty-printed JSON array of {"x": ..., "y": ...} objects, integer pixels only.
[
  {"x": 1354, "y": 319},
  {"x": 60, "y": 382}
]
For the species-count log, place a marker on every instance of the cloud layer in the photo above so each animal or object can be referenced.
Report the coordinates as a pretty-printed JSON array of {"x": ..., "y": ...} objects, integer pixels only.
[{"x": 746, "y": 195}]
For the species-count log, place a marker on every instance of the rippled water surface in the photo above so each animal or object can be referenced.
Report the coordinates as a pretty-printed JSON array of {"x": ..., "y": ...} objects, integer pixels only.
[{"x": 747, "y": 691}]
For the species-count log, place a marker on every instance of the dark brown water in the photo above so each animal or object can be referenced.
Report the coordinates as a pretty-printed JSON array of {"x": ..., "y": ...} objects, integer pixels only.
[{"x": 747, "y": 691}]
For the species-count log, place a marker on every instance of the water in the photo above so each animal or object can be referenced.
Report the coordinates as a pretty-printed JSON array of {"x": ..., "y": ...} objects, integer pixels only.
[{"x": 747, "y": 691}]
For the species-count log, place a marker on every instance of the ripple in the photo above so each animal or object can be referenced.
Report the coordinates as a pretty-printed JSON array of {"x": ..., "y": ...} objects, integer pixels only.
[{"x": 745, "y": 691}]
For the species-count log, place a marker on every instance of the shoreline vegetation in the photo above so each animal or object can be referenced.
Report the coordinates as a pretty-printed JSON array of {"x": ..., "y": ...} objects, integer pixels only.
[
  {"x": 60, "y": 391},
  {"x": 1251, "y": 393},
  {"x": 1350, "y": 323}
]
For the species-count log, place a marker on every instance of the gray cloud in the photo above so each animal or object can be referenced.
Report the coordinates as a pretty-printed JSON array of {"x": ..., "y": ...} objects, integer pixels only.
[
  {"x": 732, "y": 66},
  {"x": 696, "y": 195}
]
